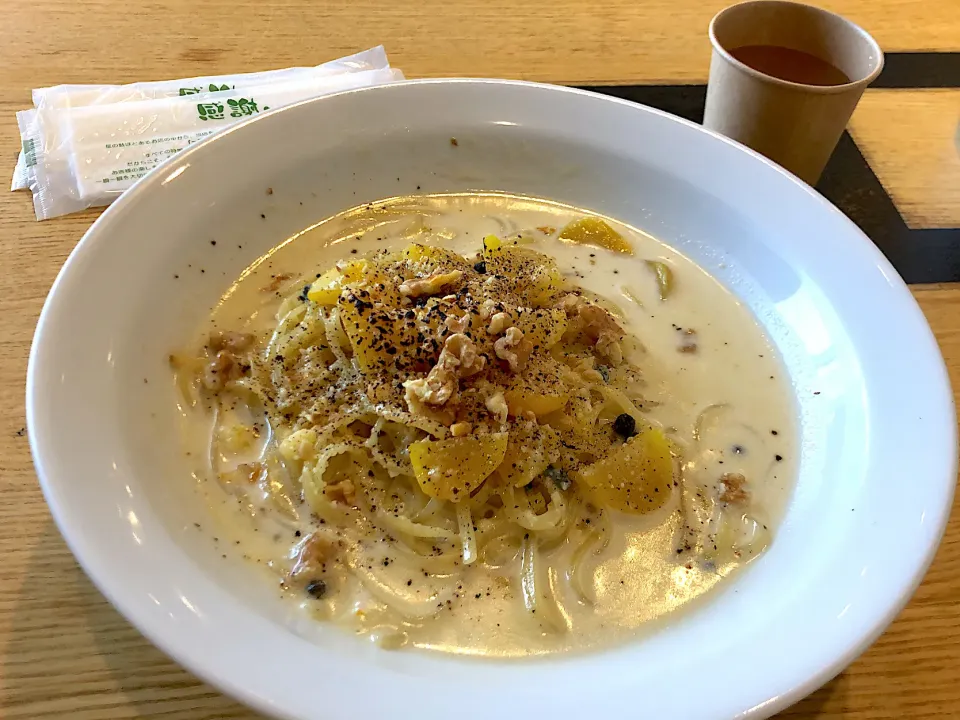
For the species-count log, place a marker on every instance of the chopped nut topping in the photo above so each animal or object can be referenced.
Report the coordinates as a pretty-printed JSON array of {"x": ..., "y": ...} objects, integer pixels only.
[
  {"x": 513, "y": 349},
  {"x": 310, "y": 554},
  {"x": 497, "y": 405},
  {"x": 688, "y": 341},
  {"x": 458, "y": 359},
  {"x": 223, "y": 368},
  {"x": 498, "y": 323},
  {"x": 342, "y": 491},
  {"x": 275, "y": 282},
  {"x": 435, "y": 390},
  {"x": 460, "y": 429},
  {"x": 460, "y": 356},
  {"x": 457, "y": 324},
  {"x": 251, "y": 472},
  {"x": 732, "y": 488},
  {"x": 229, "y": 340},
  {"x": 487, "y": 308},
  {"x": 608, "y": 346},
  {"x": 598, "y": 325}
]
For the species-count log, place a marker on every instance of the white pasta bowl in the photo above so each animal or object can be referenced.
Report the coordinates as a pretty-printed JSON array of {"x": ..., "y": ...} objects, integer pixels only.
[{"x": 876, "y": 417}]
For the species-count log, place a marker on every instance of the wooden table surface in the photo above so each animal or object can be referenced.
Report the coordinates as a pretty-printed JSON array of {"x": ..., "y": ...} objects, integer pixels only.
[{"x": 64, "y": 651}]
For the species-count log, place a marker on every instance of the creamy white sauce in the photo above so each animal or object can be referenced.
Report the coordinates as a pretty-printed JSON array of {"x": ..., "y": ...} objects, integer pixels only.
[{"x": 735, "y": 376}]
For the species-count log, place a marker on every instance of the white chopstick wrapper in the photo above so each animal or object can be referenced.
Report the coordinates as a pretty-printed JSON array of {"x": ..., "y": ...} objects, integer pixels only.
[
  {"x": 65, "y": 96},
  {"x": 77, "y": 95},
  {"x": 101, "y": 150}
]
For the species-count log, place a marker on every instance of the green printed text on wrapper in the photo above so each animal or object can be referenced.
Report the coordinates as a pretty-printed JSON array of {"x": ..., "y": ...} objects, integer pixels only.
[
  {"x": 238, "y": 108},
  {"x": 212, "y": 88}
]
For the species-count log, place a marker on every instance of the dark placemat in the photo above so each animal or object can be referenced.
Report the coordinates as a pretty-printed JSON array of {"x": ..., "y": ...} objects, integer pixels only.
[{"x": 920, "y": 255}]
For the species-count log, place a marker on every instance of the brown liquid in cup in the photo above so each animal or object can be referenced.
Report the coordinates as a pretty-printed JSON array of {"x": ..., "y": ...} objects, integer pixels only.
[{"x": 791, "y": 65}]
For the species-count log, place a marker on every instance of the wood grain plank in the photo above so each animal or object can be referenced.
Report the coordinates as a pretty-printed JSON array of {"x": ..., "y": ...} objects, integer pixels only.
[
  {"x": 567, "y": 41},
  {"x": 911, "y": 138}
]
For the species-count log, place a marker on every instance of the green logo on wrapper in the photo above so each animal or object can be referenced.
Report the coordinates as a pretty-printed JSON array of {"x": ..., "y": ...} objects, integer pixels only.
[
  {"x": 238, "y": 108},
  {"x": 241, "y": 107},
  {"x": 213, "y": 87},
  {"x": 30, "y": 152},
  {"x": 210, "y": 111}
]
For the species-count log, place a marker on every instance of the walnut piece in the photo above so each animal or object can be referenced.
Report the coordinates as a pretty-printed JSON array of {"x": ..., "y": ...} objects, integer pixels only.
[
  {"x": 342, "y": 491},
  {"x": 275, "y": 282},
  {"x": 435, "y": 389},
  {"x": 732, "y": 488},
  {"x": 498, "y": 323},
  {"x": 688, "y": 341},
  {"x": 487, "y": 308},
  {"x": 497, "y": 405},
  {"x": 430, "y": 285},
  {"x": 608, "y": 346},
  {"x": 597, "y": 324},
  {"x": 513, "y": 349},
  {"x": 460, "y": 429},
  {"x": 460, "y": 356},
  {"x": 223, "y": 368},
  {"x": 458, "y": 359},
  {"x": 230, "y": 340},
  {"x": 310, "y": 555},
  {"x": 457, "y": 324},
  {"x": 251, "y": 472}
]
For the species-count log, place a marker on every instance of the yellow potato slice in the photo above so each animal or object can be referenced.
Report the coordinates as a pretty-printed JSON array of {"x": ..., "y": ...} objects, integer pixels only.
[
  {"x": 326, "y": 289},
  {"x": 378, "y": 335},
  {"x": 452, "y": 468},
  {"x": 636, "y": 477},
  {"x": 538, "y": 390},
  {"x": 594, "y": 231}
]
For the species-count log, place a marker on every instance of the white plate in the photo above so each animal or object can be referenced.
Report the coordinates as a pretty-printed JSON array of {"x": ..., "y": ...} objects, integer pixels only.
[{"x": 878, "y": 460}]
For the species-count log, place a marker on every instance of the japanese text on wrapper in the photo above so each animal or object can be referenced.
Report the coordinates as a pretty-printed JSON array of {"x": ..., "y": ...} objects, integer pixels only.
[{"x": 237, "y": 108}]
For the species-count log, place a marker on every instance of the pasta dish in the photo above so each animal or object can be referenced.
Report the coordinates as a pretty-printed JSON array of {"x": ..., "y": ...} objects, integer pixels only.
[{"x": 432, "y": 427}]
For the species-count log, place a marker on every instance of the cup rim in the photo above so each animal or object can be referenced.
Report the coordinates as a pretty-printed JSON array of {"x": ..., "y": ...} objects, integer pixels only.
[{"x": 773, "y": 80}]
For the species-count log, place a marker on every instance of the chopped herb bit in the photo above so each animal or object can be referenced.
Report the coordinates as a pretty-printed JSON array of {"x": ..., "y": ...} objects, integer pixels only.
[
  {"x": 559, "y": 476},
  {"x": 317, "y": 588}
]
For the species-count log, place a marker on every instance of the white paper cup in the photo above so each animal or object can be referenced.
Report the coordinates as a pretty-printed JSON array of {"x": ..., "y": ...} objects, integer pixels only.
[{"x": 794, "y": 124}]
